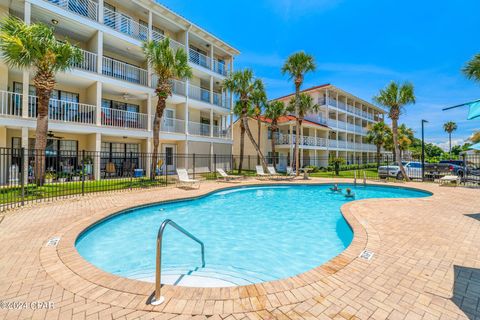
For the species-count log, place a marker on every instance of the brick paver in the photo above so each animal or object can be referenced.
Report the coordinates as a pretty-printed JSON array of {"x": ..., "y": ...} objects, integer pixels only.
[{"x": 425, "y": 266}]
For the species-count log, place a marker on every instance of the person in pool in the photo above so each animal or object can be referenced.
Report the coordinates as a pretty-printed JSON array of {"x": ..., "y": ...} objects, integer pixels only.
[
  {"x": 349, "y": 193},
  {"x": 335, "y": 188}
]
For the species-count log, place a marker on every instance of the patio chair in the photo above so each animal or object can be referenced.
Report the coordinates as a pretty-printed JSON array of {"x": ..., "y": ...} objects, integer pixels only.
[
  {"x": 275, "y": 175},
  {"x": 184, "y": 179},
  {"x": 261, "y": 173},
  {"x": 226, "y": 177},
  {"x": 110, "y": 169},
  {"x": 291, "y": 172},
  {"x": 449, "y": 179}
]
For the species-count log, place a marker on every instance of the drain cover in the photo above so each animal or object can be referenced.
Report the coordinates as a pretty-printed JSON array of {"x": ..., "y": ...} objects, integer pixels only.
[
  {"x": 53, "y": 242},
  {"x": 366, "y": 255}
]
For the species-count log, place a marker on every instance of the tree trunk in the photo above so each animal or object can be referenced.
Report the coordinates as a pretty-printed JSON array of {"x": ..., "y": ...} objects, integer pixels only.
[
  {"x": 259, "y": 126},
  {"x": 161, "y": 104},
  {"x": 450, "y": 144},
  {"x": 41, "y": 135},
  {"x": 378, "y": 155},
  {"x": 397, "y": 149},
  {"x": 273, "y": 130},
  {"x": 242, "y": 146},
  {"x": 297, "y": 129},
  {"x": 255, "y": 145}
]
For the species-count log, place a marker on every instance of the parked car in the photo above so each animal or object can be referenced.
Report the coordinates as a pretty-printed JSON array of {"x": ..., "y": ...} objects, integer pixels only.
[
  {"x": 459, "y": 168},
  {"x": 413, "y": 170}
]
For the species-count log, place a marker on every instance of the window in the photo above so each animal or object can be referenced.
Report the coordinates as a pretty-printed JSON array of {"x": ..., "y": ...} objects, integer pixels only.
[
  {"x": 270, "y": 158},
  {"x": 123, "y": 156}
]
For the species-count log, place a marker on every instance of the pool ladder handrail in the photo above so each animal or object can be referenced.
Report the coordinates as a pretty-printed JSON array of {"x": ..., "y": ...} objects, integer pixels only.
[{"x": 158, "y": 299}]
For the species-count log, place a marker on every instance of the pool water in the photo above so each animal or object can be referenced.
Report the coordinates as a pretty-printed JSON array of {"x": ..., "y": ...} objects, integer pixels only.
[{"x": 251, "y": 234}]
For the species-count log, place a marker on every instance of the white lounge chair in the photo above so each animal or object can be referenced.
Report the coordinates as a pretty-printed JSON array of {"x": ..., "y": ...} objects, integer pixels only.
[
  {"x": 225, "y": 176},
  {"x": 291, "y": 172},
  {"x": 261, "y": 173},
  {"x": 275, "y": 175},
  {"x": 449, "y": 179},
  {"x": 184, "y": 179}
]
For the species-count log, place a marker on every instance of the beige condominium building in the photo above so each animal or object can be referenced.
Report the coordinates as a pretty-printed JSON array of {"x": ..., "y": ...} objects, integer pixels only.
[
  {"x": 338, "y": 130},
  {"x": 107, "y": 102}
]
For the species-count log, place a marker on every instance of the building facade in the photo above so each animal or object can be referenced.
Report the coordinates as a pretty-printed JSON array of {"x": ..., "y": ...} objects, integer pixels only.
[
  {"x": 339, "y": 129},
  {"x": 107, "y": 102}
]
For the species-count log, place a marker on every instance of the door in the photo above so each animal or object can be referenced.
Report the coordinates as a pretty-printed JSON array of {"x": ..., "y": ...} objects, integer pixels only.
[{"x": 169, "y": 151}]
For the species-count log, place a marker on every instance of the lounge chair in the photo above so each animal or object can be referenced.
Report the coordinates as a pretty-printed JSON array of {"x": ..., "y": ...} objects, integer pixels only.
[
  {"x": 184, "y": 180},
  {"x": 291, "y": 172},
  {"x": 261, "y": 173},
  {"x": 226, "y": 177},
  {"x": 449, "y": 179},
  {"x": 275, "y": 175}
]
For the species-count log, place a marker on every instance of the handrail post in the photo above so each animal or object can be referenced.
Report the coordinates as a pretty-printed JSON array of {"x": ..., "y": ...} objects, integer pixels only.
[{"x": 158, "y": 298}]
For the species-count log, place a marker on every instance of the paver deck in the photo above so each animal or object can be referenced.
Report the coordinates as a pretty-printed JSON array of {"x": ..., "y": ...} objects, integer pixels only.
[{"x": 426, "y": 265}]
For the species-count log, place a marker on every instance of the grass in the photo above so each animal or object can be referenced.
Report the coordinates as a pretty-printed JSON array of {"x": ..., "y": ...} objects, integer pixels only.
[
  {"x": 370, "y": 173},
  {"x": 33, "y": 192}
]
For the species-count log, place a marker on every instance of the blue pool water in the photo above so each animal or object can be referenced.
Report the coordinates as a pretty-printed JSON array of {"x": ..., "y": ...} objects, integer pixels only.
[{"x": 250, "y": 233}]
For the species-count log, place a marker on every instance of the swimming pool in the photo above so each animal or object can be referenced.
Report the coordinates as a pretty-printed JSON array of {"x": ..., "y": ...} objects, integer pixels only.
[{"x": 251, "y": 234}]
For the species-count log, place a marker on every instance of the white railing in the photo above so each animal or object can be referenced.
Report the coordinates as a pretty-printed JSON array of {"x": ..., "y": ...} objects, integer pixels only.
[
  {"x": 220, "y": 100},
  {"x": 317, "y": 118},
  {"x": 342, "y": 144},
  {"x": 10, "y": 104},
  {"x": 66, "y": 111},
  {"x": 157, "y": 36},
  {"x": 198, "y": 93},
  {"x": 198, "y": 129},
  {"x": 178, "y": 87},
  {"x": 219, "y": 132},
  {"x": 332, "y": 123},
  {"x": 89, "y": 61},
  {"x": 172, "y": 125},
  {"x": 220, "y": 67},
  {"x": 322, "y": 101},
  {"x": 314, "y": 141},
  {"x": 332, "y": 143},
  {"x": 86, "y": 8},
  {"x": 342, "y": 125},
  {"x": 124, "y": 24},
  {"x": 350, "y": 127},
  {"x": 124, "y": 71},
  {"x": 341, "y": 105},
  {"x": 124, "y": 119},
  {"x": 199, "y": 58}
]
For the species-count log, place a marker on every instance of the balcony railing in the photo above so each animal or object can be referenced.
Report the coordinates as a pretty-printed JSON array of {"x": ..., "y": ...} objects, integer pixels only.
[
  {"x": 124, "y": 71},
  {"x": 86, "y": 8},
  {"x": 124, "y": 119},
  {"x": 172, "y": 125},
  {"x": 89, "y": 61},
  {"x": 157, "y": 36},
  {"x": 219, "y": 132},
  {"x": 220, "y": 67},
  {"x": 65, "y": 111},
  {"x": 199, "y": 59},
  {"x": 124, "y": 24},
  {"x": 10, "y": 104},
  {"x": 220, "y": 100},
  {"x": 198, "y": 93},
  {"x": 198, "y": 129}
]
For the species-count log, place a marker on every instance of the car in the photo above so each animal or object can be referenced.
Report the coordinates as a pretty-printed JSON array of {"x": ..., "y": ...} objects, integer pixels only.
[
  {"x": 459, "y": 168},
  {"x": 413, "y": 170}
]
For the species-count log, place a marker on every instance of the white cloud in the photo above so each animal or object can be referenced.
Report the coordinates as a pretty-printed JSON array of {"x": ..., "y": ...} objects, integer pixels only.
[{"x": 445, "y": 144}]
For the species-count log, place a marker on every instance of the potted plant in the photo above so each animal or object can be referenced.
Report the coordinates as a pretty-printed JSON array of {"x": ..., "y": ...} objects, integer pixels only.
[
  {"x": 76, "y": 175},
  {"x": 88, "y": 164},
  {"x": 62, "y": 177},
  {"x": 337, "y": 162},
  {"x": 49, "y": 176}
]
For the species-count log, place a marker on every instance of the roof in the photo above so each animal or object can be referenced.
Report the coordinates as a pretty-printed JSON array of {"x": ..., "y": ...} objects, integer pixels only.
[
  {"x": 330, "y": 86},
  {"x": 185, "y": 24}
]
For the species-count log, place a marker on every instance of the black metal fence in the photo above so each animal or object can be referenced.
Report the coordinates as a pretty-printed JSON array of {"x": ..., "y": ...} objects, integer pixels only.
[{"x": 30, "y": 176}]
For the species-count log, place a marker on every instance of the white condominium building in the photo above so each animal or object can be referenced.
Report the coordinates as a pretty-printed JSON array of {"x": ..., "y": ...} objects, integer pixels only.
[
  {"x": 106, "y": 103},
  {"x": 338, "y": 130}
]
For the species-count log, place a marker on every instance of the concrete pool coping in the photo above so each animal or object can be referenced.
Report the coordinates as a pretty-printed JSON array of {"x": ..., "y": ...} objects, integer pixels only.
[{"x": 65, "y": 265}]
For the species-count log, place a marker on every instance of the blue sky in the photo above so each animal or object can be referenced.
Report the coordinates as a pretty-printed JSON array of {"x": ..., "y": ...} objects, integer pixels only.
[{"x": 359, "y": 46}]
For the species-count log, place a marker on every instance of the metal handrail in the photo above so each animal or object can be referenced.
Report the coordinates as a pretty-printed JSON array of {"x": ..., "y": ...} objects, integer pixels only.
[{"x": 158, "y": 299}]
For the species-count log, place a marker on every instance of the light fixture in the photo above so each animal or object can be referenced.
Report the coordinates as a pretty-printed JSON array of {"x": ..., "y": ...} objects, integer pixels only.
[
  {"x": 54, "y": 21},
  {"x": 208, "y": 45}
]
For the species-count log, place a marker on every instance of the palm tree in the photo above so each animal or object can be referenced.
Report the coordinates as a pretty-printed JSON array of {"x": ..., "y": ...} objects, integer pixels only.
[
  {"x": 449, "y": 127},
  {"x": 378, "y": 135},
  {"x": 296, "y": 66},
  {"x": 475, "y": 138},
  {"x": 242, "y": 84},
  {"x": 273, "y": 111},
  {"x": 395, "y": 97},
  {"x": 168, "y": 64},
  {"x": 305, "y": 106},
  {"x": 405, "y": 138},
  {"x": 35, "y": 48},
  {"x": 472, "y": 68},
  {"x": 259, "y": 100}
]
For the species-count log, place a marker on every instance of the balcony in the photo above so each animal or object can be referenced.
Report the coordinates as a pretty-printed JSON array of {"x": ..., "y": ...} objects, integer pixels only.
[
  {"x": 89, "y": 61},
  {"x": 124, "y": 119},
  {"x": 220, "y": 67},
  {"x": 220, "y": 100},
  {"x": 10, "y": 104},
  {"x": 85, "y": 8},
  {"x": 124, "y": 24},
  {"x": 198, "y": 129},
  {"x": 219, "y": 132},
  {"x": 198, "y": 93},
  {"x": 172, "y": 125},
  {"x": 157, "y": 36},
  {"x": 284, "y": 139},
  {"x": 199, "y": 59},
  {"x": 124, "y": 71}
]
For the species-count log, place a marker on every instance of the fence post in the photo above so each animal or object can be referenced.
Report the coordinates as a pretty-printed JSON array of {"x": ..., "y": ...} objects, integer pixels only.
[
  {"x": 131, "y": 170},
  {"x": 248, "y": 162},
  {"x": 465, "y": 168},
  {"x": 22, "y": 163},
  {"x": 165, "y": 169},
  {"x": 83, "y": 172},
  {"x": 231, "y": 162},
  {"x": 194, "y": 166},
  {"x": 214, "y": 163}
]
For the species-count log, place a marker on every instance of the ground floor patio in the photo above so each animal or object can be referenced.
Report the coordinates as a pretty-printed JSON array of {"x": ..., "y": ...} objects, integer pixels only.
[{"x": 426, "y": 265}]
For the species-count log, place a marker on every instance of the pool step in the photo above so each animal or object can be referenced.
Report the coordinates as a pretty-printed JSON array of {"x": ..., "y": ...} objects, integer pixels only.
[{"x": 201, "y": 277}]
